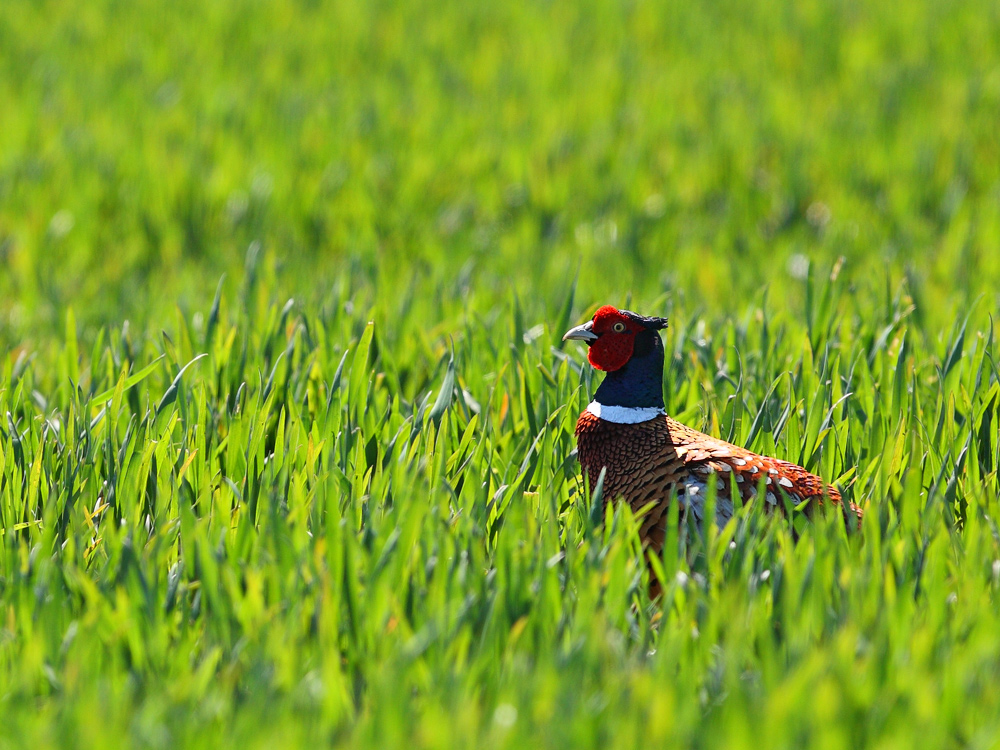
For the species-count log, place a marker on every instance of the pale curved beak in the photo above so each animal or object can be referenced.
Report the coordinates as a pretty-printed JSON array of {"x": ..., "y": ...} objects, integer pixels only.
[{"x": 581, "y": 333}]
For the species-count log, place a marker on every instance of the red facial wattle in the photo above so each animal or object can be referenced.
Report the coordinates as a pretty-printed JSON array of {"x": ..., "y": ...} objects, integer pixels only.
[
  {"x": 611, "y": 352},
  {"x": 613, "y": 349}
]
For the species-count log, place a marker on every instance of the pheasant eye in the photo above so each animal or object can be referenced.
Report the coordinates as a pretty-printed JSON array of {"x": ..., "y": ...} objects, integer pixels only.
[{"x": 618, "y": 327}]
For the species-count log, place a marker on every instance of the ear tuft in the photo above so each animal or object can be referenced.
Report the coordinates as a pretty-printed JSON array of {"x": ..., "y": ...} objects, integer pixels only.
[{"x": 653, "y": 324}]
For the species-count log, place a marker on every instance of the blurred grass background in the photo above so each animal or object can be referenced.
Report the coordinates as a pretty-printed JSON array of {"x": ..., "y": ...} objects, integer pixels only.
[
  {"x": 472, "y": 151},
  {"x": 233, "y": 518}
]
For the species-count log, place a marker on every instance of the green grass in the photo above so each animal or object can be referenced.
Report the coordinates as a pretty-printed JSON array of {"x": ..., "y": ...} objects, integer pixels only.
[{"x": 354, "y": 518}]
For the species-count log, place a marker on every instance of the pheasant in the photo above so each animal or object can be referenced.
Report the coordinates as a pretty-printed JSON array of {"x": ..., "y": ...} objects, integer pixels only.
[{"x": 650, "y": 458}]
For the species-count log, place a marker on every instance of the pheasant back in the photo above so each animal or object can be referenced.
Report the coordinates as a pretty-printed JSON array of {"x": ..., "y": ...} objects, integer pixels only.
[{"x": 650, "y": 463}]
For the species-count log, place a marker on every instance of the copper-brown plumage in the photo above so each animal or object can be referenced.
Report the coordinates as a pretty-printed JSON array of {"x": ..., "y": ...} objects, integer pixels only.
[{"x": 648, "y": 464}]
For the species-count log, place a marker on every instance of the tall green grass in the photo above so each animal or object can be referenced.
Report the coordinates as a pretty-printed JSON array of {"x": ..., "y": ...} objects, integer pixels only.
[{"x": 331, "y": 497}]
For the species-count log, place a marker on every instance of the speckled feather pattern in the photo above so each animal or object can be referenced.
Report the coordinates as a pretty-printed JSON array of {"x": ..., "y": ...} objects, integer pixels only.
[{"x": 647, "y": 462}]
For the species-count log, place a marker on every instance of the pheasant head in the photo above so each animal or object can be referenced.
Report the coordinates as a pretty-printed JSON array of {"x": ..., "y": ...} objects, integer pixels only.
[{"x": 628, "y": 348}]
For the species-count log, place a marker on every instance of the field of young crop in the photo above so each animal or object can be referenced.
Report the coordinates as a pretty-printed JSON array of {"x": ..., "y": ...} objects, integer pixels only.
[{"x": 286, "y": 424}]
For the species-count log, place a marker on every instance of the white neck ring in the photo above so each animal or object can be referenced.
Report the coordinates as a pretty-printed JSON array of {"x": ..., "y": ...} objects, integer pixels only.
[{"x": 624, "y": 414}]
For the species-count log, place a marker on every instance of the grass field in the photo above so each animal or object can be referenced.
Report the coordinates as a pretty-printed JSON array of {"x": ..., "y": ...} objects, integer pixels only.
[{"x": 285, "y": 420}]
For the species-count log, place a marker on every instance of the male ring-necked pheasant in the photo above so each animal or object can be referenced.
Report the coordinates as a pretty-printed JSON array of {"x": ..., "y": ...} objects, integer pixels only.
[{"x": 650, "y": 457}]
